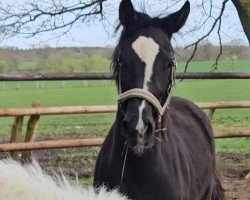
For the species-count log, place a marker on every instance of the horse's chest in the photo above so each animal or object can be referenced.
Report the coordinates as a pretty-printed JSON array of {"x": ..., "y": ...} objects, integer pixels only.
[
  {"x": 149, "y": 183},
  {"x": 149, "y": 189}
]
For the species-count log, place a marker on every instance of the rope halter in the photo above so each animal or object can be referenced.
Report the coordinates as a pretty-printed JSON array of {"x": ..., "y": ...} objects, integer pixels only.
[{"x": 149, "y": 97}]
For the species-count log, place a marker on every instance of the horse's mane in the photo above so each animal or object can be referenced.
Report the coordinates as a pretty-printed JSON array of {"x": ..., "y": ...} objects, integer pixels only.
[{"x": 115, "y": 65}]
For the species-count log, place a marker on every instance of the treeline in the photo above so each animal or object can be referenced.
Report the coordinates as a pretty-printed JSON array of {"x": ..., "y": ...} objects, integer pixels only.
[
  {"x": 79, "y": 59},
  {"x": 208, "y": 51},
  {"x": 67, "y": 59}
]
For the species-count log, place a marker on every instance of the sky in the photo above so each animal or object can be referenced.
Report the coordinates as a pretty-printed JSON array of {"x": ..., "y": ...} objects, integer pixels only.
[{"x": 99, "y": 33}]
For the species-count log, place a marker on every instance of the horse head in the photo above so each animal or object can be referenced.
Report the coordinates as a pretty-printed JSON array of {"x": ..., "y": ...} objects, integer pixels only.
[{"x": 144, "y": 65}]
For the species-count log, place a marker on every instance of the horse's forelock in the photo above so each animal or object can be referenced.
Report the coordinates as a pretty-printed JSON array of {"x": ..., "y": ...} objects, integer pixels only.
[{"x": 143, "y": 21}]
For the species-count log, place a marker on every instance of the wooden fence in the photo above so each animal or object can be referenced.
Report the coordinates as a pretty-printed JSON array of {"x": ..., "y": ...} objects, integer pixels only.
[
  {"x": 108, "y": 76},
  {"x": 89, "y": 142},
  {"x": 37, "y": 111}
]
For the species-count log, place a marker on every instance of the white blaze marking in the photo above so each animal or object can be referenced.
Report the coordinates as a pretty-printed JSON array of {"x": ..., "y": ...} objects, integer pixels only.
[
  {"x": 146, "y": 49},
  {"x": 140, "y": 125}
]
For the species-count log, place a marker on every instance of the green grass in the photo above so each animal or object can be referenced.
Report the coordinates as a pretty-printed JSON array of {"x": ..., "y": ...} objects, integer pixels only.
[
  {"x": 223, "y": 66},
  {"x": 22, "y": 94},
  {"x": 241, "y": 145},
  {"x": 86, "y": 181},
  {"x": 216, "y": 90},
  {"x": 73, "y": 93}
]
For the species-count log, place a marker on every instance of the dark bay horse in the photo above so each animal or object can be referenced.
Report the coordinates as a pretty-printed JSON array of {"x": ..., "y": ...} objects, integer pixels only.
[{"x": 159, "y": 148}]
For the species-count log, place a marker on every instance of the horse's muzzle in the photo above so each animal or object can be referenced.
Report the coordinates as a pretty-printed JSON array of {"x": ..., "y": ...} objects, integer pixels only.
[{"x": 138, "y": 124}]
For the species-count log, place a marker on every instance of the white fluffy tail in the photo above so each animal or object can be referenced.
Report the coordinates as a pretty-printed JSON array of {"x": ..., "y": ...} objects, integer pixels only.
[{"x": 29, "y": 182}]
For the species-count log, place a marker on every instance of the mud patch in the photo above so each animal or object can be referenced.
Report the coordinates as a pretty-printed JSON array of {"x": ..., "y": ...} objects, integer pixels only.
[{"x": 80, "y": 162}]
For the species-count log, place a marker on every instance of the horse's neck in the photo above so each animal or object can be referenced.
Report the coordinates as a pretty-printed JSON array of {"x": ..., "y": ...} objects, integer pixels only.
[{"x": 117, "y": 139}]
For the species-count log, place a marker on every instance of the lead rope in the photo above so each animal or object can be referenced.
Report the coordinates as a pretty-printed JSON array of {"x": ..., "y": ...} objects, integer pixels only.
[
  {"x": 125, "y": 159},
  {"x": 120, "y": 74},
  {"x": 126, "y": 142}
]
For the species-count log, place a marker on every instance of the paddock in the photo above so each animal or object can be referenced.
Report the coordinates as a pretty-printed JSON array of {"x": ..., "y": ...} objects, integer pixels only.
[{"x": 72, "y": 163}]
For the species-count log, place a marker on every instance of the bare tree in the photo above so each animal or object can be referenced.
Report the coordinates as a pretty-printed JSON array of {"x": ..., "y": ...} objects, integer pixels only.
[
  {"x": 34, "y": 17},
  {"x": 215, "y": 19}
]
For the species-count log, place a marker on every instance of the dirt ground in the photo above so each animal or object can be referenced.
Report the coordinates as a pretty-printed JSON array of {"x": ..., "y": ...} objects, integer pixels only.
[
  {"x": 79, "y": 162},
  {"x": 233, "y": 168}
]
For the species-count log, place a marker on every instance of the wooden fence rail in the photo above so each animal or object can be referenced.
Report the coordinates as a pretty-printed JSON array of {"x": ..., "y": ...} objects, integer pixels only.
[
  {"x": 88, "y": 142},
  {"x": 108, "y": 76},
  {"x": 51, "y": 144},
  {"x": 56, "y": 110},
  {"x": 12, "y": 112}
]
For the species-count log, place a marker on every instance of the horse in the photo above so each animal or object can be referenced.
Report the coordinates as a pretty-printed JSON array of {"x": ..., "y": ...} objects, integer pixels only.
[
  {"x": 30, "y": 182},
  {"x": 159, "y": 147}
]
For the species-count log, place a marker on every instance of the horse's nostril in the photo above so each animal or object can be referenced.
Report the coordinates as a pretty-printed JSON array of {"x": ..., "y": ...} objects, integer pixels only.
[{"x": 149, "y": 129}]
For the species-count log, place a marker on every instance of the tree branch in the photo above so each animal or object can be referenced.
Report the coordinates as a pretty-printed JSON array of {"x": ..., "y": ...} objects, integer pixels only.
[
  {"x": 38, "y": 17},
  {"x": 196, "y": 43}
]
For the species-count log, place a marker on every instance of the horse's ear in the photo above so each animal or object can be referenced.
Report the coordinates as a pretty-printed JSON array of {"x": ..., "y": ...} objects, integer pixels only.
[
  {"x": 126, "y": 12},
  {"x": 174, "y": 22}
]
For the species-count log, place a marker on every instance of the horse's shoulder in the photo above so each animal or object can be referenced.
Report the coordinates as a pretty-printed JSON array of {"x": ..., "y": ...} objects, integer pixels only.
[
  {"x": 178, "y": 103},
  {"x": 187, "y": 110}
]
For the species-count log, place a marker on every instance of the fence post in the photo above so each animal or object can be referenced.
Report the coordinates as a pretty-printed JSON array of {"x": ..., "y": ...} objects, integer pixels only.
[
  {"x": 211, "y": 113},
  {"x": 31, "y": 131},
  {"x": 16, "y": 131}
]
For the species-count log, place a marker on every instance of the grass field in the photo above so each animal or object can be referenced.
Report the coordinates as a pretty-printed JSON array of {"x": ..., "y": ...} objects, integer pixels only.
[
  {"x": 72, "y": 93},
  {"x": 223, "y": 66}
]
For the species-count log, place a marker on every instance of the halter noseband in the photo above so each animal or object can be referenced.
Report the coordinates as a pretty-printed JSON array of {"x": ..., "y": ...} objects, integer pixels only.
[{"x": 149, "y": 97}]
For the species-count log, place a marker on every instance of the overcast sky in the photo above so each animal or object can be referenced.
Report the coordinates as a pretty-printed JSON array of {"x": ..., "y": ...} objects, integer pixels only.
[{"x": 101, "y": 34}]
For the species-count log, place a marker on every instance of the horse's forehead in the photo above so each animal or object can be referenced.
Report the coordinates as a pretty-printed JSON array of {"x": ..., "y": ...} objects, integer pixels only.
[{"x": 146, "y": 49}]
